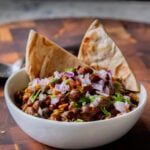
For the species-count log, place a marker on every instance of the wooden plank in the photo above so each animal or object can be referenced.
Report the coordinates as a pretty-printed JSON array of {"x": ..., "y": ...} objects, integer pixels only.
[{"x": 5, "y": 35}]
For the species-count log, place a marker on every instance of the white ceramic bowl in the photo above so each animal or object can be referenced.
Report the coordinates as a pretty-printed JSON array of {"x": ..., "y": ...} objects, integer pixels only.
[{"x": 69, "y": 135}]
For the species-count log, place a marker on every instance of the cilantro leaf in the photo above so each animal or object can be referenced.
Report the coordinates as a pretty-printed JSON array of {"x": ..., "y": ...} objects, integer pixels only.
[
  {"x": 104, "y": 110},
  {"x": 67, "y": 81},
  {"x": 53, "y": 96},
  {"x": 48, "y": 92},
  {"x": 93, "y": 97},
  {"x": 76, "y": 106},
  {"x": 119, "y": 97},
  {"x": 54, "y": 80},
  {"x": 35, "y": 95},
  {"x": 84, "y": 101},
  {"x": 70, "y": 69},
  {"x": 78, "y": 120}
]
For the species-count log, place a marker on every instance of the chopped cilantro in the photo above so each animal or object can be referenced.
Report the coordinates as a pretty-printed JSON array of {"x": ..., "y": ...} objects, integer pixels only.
[
  {"x": 55, "y": 80},
  {"x": 93, "y": 97},
  {"x": 67, "y": 81},
  {"x": 36, "y": 115},
  {"x": 119, "y": 97},
  {"x": 67, "y": 94},
  {"x": 118, "y": 86},
  {"x": 77, "y": 107},
  {"x": 70, "y": 69},
  {"x": 53, "y": 96},
  {"x": 120, "y": 79},
  {"x": 104, "y": 110},
  {"x": 48, "y": 92},
  {"x": 95, "y": 72},
  {"x": 35, "y": 95},
  {"x": 84, "y": 101},
  {"x": 78, "y": 120}
]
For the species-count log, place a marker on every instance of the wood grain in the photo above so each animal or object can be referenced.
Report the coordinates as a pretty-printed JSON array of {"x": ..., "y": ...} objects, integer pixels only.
[{"x": 132, "y": 37}]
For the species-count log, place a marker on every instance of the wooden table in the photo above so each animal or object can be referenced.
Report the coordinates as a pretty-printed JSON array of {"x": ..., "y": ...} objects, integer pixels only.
[{"x": 134, "y": 40}]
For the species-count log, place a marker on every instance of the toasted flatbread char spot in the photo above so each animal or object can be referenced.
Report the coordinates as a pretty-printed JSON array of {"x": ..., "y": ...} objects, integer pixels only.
[
  {"x": 98, "y": 50},
  {"x": 43, "y": 57}
]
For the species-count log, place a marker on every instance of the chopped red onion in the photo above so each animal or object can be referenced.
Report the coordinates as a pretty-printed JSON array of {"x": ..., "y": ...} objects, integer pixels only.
[
  {"x": 80, "y": 76},
  {"x": 58, "y": 75},
  {"x": 87, "y": 94},
  {"x": 102, "y": 74},
  {"x": 101, "y": 93},
  {"x": 40, "y": 111},
  {"x": 126, "y": 97},
  {"x": 98, "y": 86},
  {"x": 35, "y": 82},
  {"x": 96, "y": 102},
  {"x": 110, "y": 72},
  {"x": 42, "y": 97},
  {"x": 63, "y": 87},
  {"x": 54, "y": 100},
  {"x": 106, "y": 75},
  {"x": 110, "y": 78},
  {"x": 107, "y": 90},
  {"x": 44, "y": 82},
  {"x": 85, "y": 80},
  {"x": 69, "y": 74},
  {"x": 121, "y": 106}
]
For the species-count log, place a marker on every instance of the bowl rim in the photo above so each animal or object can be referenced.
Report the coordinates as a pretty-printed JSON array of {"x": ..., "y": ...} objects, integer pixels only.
[{"x": 12, "y": 104}]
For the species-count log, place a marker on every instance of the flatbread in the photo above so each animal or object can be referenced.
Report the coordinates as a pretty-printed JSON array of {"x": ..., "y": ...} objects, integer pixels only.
[
  {"x": 58, "y": 59},
  {"x": 43, "y": 57},
  {"x": 98, "y": 50}
]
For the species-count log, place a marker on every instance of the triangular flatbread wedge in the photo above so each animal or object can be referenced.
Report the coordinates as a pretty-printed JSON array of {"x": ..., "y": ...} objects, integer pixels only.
[
  {"x": 98, "y": 50},
  {"x": 43, "y": 57}
]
